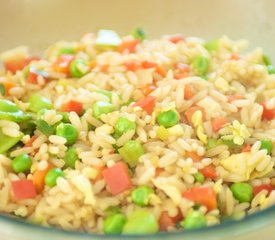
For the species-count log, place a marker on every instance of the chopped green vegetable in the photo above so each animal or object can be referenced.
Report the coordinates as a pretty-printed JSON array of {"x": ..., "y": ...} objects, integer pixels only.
[
  {"x": 193, "y": 220},
  {"x": 106, "y": 93},
  {"x": 21, "y": 163},
  {"x": 139, "y": 33},
  {"x": 9, "y": 111},
  {"x": 141, "y": 222},
  {"x": 65, "y": 117},
  {"x": 44, "y": 127},
  {"x": 52, "y": 175},
  {"x": 70, "y": 158},
  {"x": 78, "y": 68},
  {"x": 243, "y": 192},
  {"x": 107, "y": 39},
  {"x": 267, "y": 144},
  {"x": 38, "y": 102},
  {"x": 123, "y": 125},
  {"x": 131, "y": 152},
  {"x": 100, "y": 108},
  {"x": 271, "y": 69},
  {"x": 112, "y": 210},
  {"x": 267, "y": 61},
  {"x": 67, "y": 131},
  {"x": 114, "y": 224},
  {"x": 7, "y": 142},
  {"x": 2, "y": 89},
  {"x": 199, "y": 177},
  {"x": 212, "y": 45},
  {"x": 168, "y": 118},
  {"x": 141, "y": 195},
  {"x": 66, "y": 50},
  {"x": 200, "y": 65}
]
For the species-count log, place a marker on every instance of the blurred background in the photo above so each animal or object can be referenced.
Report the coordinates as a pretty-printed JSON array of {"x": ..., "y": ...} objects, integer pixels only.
[{"x": 39, "y": 23}]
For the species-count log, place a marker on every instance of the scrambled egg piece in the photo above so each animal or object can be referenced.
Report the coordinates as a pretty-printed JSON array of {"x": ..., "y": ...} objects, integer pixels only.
[
  {"x": 197, "y": 122},
  {"x": 236, "y": 131},
  {"x": 243, "y": 167}
]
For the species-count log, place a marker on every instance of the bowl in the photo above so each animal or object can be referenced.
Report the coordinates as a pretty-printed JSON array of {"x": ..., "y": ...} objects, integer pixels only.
[{"x": 42, "y": 22}]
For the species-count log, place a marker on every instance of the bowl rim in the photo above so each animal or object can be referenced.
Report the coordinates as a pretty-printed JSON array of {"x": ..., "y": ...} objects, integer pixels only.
[{"x": 251, "y": 222}]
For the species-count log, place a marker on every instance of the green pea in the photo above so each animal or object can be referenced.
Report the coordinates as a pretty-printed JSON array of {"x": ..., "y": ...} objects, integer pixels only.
[
  {"x": 114, "y": 224},
  {"x": 78, "y": 68},
  {"x": 67, "y": 131},
  {"x": 21, "y": 163},
  {"x": 168, "y": 118},
  {"x": 106, "y": 93},
  {"x": 271, "y": 69},
  {"x": 267, "y": 144},
  {"x": 141, "y": 221},
  {"x": 100, "y": 108},
  {"x": 70, "y": 158},
  {"x": 38, "y": 102},
  {"x": 199, "y": 177},
  {"x": 52, "y": 175},
  {"x": 193, "y": 220},
  {"x": 123, "y": 125},
  {"x": 131, "y": 152},
  {"x": 201, "y": 65},
  {"x": 141, "y": 195},
  {"x": 212, "y": 45},
  {"x": 139, "y": 33},
  {"x": 243, "y": 192}
]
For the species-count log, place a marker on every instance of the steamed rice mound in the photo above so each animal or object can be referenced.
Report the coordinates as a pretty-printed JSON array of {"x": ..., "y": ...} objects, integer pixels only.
[{"x": 199, "y": 115}]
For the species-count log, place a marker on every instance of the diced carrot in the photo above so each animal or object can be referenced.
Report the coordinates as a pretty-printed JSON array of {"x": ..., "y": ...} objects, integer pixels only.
[
  {"x": 195, "y": 157},
  {"x": 132, "y": 65},
  {"x": 176, "y": 38},
  {"x": 39, "y": 178},
  {"x": 232, "y": 98},
  {"x": 104, "y": 68},
  {"x": 147, "y": 104},
  {"x": 8, "y": 86},
  {"x": 30, "y": 142},
  {"x": 267, "y": 187},
  {"x": 246, "y": 148},
  {"x": 181, "y": 75},
  {"x": 62, "y": 63},
  {"x": 147, "y": 89},
  {"x": 268, "y": 114},
  {"x": 165, "y": 221},
  {"x": 158, "y": 171},
  {"x": 159, "y": 69},
  {"x": 235, "y": 56},
  {"x": 117, "y": 178},
  {"x": 218, "y": 123},
  {"x": 190, "y": 111},
  {"x": 128, "y": 46},
  {"x": 14, "y": 66},
  {"x": 209, "y": 172},
  {"x": 23, "y": 189},
  {"x": 32, "y": 78},
  {"x": 72, "y": 106},
  {"x": 188, "y": 91},
  {"x": 202, "y": 195}
]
